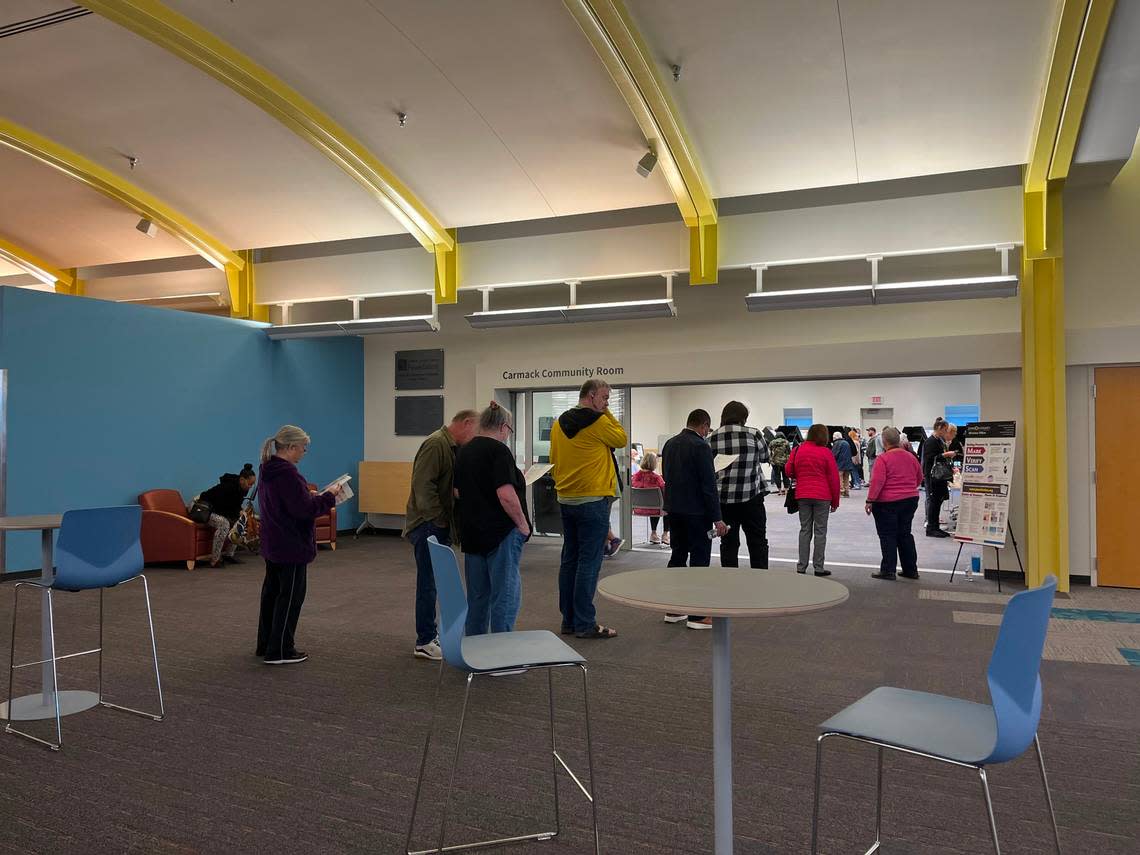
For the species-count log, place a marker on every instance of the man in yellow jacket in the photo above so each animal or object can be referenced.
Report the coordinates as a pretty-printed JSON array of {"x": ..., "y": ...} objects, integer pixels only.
[{"x": 582, "y": 443}]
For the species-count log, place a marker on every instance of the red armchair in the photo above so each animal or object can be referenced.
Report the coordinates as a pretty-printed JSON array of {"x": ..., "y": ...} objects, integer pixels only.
[
  {"x": 326, "y": 525},
  {"x": 168, "y": 534}
]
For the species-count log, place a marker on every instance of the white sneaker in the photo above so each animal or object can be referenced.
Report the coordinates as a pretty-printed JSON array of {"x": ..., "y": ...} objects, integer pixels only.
[
  {"x": 671, "y": 618},
  {"x": 431, "y": 650},
  {"x": 704, "y": 623}
]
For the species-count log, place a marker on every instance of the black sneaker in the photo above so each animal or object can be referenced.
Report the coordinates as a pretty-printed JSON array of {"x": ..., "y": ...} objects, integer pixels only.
[
  {"x": 884, "y": 576},
  {"x": 822, "y": 572},
  {"x": 909, "y": 575},
  {"x": 937, "y": 533},
  {"x": 291, "y": 658}
]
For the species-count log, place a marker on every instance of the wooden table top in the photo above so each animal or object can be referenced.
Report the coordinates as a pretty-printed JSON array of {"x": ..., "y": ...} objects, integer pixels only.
[
  {"x": 722, "y": 591},
  {"x": 31, "y": 523}
]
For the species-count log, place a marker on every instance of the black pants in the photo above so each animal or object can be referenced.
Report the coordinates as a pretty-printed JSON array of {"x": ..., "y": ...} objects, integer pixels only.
[
  {"x": 751, "y": 517},
  {"x": 778, "y": 477},
  {"x": 690, "y": 543},
  {"x": 653, "y": 524},
  {"x": 937, "y": 492},
  {"x": 896, "y": 540},
  {"x": 282, "y": 595}
]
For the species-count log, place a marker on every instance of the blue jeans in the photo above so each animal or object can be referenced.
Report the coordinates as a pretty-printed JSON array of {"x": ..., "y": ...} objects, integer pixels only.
[
  {"x": 494, "y": 586},
  {"x": 584, "y": 530},
  {"x": 426, "y": 627}
]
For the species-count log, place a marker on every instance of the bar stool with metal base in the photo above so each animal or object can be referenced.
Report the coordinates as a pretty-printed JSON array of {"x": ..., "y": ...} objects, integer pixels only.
[
  {"x": 958, "y": 732},
  {"x": 97, "y": 548},
  {"x": 495, "y": 653}
]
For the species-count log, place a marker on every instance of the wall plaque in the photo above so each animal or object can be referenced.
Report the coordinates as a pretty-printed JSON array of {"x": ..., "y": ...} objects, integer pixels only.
[{"x": 419, "y": 369}]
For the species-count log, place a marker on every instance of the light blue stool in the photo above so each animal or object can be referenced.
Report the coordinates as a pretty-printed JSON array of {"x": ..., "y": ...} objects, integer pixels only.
[
  {"x": 496, "y": 653},
  {"x": 955, "y": 731},
  {"x": 97, "y": 548}
]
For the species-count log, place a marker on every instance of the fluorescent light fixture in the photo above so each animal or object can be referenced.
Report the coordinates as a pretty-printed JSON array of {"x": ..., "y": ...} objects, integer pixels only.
[
  {"x": 587, "y": 312},
  {"x": 971, "y": 288},
  {"x": 810, "y": 298},
  {"x": 214, "y": 295},
  {"x": 364, "y": 326}
]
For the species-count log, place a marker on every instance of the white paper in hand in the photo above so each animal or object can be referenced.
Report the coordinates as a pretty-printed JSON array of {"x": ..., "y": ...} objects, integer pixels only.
[
  {"x": 345, "y": 491},
  {"x": 535, "y": 472},
  {"x": 723, "y": 461}
]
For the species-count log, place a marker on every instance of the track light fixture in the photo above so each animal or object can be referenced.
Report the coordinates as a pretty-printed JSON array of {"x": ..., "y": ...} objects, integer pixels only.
[
  {"x": 646, "y": 164},
  {"x": 147, "y": 227}
]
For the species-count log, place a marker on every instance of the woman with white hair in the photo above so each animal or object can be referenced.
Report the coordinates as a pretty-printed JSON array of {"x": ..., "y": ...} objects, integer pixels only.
[
  {"x": 288, "y": 542},
  {"x": 893, "y": 499},
  {"x": 493, "y": 524},
  {"x": 841, "y": 451}
]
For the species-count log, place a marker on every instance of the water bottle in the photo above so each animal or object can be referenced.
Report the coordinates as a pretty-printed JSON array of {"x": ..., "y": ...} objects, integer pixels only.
[{"x": 975, "y": 567}]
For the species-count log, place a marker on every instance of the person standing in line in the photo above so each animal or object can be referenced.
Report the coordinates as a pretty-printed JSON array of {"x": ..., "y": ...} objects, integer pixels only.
[
  {"x": 431, "y": 512},
  {"x": 893, "y": 499},
  {"x": 937, "y": 489},
  {"x": 871, "y": 450},
  {"x": 812, "y": 467},
  {"x": 646, "y": 478},
  {"x": 493, "y": 524},
  {"x": 692, "y": 502},
  {"x": 288, "y": 542},
  {"x": 741, "y": 487},
  {"x": 582, "y": 443},
  {"x": 778, "y": 450},
  {"x": 841, "y": 452}
]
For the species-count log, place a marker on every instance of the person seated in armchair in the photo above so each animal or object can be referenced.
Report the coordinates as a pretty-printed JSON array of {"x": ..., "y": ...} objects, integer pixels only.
[{"x": 225, "y": 499}]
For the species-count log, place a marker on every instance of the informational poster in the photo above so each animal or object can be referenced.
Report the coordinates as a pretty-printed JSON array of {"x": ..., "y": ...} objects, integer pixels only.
[
  {"x": 987, "y": 479},
  {"x": 419, "y": 369}
]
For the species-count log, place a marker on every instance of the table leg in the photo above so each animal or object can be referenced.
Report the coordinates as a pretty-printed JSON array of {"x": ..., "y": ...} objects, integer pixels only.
[
  {"x": 47, "y": 574},
  {"x": 722, "y": 735}
]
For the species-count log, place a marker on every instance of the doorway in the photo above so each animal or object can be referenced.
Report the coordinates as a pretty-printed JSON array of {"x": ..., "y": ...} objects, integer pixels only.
[
  {"x": 1117, "y": 475},
  {"x": 878, "y": 418}
]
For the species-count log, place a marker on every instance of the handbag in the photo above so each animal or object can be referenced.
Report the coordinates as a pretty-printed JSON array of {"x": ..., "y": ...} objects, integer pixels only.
[
  {"x": 941, "y": 471},
  {"x": 200, "y": 511},
  {"x": 791, "y": 503}
]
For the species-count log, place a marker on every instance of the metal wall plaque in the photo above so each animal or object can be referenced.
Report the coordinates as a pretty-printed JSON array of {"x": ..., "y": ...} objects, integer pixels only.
[
  {"x": 419, "y": 369},
  {"x": 418, "y": 415}
]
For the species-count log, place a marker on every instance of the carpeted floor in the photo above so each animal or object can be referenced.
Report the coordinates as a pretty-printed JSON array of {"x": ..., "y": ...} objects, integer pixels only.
[{"x": 322, "y": 757}]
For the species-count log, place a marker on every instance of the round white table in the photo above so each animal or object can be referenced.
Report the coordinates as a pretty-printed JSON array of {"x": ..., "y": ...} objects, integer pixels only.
[
  {"x": 722, "y": 593},
  {"x": 42, "y": 704}
]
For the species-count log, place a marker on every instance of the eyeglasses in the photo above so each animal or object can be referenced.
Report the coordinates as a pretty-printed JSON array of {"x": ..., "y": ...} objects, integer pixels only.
[{"x": 509, "y": 427}]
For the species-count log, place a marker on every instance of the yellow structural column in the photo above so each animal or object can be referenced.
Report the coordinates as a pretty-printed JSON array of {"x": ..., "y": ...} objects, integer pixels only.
[
  {"x": 242, "y": 285},
  {"x": 1043, "y": 392},
  {"x": 447, "y": 270}
]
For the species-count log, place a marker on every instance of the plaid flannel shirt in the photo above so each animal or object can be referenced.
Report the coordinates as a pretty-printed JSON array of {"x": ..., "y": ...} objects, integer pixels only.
[{"x": 743, "y": 479}]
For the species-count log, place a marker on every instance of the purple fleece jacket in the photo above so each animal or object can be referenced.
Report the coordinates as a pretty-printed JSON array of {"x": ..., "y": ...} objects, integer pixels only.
[{"x": 288, "y": 509}]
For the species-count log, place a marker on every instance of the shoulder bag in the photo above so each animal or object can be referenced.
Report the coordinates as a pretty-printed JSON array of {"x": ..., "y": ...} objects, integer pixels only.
[
  {"x": 200, "y": 511},
  {"x": 791, "y": 503}
]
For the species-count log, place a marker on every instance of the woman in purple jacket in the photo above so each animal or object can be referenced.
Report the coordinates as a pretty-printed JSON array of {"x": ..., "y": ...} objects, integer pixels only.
[{"x": 288, "y": 542}]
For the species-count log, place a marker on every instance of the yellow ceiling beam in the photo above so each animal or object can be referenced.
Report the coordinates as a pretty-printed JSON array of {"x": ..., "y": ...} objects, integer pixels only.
[
  {"x": 64, "y": 281},
  {"x": 201, "y": 48},
  {"x": 242, "y": 288},
  {"x": 609, "y": 28},
  {"x": 109, "y": 184}
]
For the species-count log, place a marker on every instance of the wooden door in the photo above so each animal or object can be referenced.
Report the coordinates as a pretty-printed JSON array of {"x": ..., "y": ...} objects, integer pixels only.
[{"x": 1117, "y": 476}]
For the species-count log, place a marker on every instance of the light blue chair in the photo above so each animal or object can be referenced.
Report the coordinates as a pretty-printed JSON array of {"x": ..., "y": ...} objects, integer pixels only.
[
  {"x": 495, "y": 654},
  {"x": 955, "y": 731},
  {"x": 98, "y": 548}
]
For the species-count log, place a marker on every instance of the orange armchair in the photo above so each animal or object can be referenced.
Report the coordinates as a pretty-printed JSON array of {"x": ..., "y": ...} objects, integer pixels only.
[
  {"x": 168, "y": 534},
  {"x": 326, "y": 525}
]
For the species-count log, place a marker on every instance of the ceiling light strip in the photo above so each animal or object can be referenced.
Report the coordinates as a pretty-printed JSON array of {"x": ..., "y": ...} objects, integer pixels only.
[
  {"x": 194, "y": 44},
  {"x": 929, "y": 290},
  {"x": 76, "y": 166},
  {"x": 863, "y": 256}
]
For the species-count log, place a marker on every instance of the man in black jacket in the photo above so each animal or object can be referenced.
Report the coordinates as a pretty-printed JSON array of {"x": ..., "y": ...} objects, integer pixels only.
[
  {"x": 691, "y": 500},
  {"x": 937, "y": 491}
]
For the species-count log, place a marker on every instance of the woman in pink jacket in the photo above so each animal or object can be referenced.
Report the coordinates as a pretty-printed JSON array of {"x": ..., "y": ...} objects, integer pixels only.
[
  {"x": 893, "y": 499},
  {"x": 812, "y": 467},
  {"x": 647, "y": 478}
]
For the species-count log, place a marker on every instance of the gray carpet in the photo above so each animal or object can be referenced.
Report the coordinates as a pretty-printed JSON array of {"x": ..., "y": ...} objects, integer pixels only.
[{"x": 322, "y": 757}]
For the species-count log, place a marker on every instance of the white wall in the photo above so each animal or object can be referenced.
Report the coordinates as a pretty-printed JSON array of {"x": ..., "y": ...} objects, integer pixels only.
[
  {"x": 651, "y": 416},
  {"x": 915, "y": 400}
]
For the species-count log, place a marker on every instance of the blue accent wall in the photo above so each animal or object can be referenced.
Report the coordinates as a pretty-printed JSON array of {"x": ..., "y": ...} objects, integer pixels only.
[{"x": 107, "y": 400}]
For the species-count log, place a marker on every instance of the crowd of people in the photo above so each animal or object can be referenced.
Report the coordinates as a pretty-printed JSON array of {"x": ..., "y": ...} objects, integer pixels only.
[{"x": 467, "y": 491}]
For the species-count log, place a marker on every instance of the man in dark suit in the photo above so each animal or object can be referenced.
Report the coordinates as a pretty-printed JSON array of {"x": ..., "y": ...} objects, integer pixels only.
[{"x": 692, "y": 501}]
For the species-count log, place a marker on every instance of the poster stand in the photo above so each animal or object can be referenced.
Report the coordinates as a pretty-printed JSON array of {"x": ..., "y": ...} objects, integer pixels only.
[{"x": 997, "y": 555}]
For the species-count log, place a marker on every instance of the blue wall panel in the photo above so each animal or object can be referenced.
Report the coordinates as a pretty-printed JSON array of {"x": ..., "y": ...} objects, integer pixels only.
[{"x": 106, "y": 400}]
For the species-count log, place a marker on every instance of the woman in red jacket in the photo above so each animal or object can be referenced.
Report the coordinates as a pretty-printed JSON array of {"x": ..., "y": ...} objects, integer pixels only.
[{"x": 812, "y": 467}]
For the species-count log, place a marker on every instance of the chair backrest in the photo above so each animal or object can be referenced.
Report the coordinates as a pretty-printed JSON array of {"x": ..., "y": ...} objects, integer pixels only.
[
  {"x": 1013, "y": 676},
  {"x": 98, "y": 548},
  {"x": 646, "y": 498},
  {"x": 452, "y": 602},
  {"x": 163, "y": 500}
]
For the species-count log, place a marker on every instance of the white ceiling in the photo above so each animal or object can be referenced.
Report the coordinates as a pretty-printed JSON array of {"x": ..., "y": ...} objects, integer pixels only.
[{"x": 511, "y": 115}]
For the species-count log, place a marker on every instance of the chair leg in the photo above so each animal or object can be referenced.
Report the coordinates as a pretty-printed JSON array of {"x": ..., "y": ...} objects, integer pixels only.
[
  {"x": 12, "y": 658},
  {"x": 815, "y": 805},
  {"x": 1048, "y": 797},
  {"x": 54, "y": 675},
  {"x": 161, "y": 714},
  {"x": 590, "y": 760},
  {"x": 455, "y": 762},
  {"x": 553, "y": 751},
  {"x": 878, "y": 807},
  {"x": 990, "y": 810},
  {"x": 423, "y": 761}
]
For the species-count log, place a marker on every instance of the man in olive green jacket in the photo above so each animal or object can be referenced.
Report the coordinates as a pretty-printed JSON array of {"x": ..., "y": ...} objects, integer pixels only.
[{"x": 431, "y": 511}]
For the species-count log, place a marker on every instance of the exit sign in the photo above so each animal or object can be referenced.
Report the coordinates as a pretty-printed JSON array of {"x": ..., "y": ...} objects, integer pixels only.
[{"x": 876, "y": 400}]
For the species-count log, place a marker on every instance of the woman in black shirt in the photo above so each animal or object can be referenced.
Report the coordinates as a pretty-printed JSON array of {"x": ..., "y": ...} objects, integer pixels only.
[
  {"x": 493, "y": 524},
  {"x": 225, "y": 499}
]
